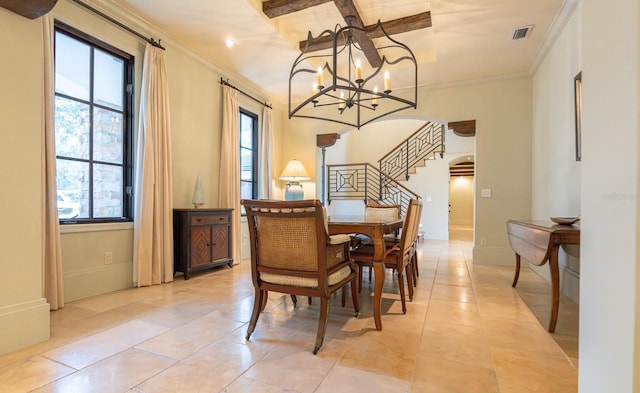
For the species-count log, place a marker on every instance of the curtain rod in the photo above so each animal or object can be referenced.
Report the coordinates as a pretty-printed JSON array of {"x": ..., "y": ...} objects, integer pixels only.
[
  {"x": 119, "y": 24},
  {"x": 226, "y": 83}
]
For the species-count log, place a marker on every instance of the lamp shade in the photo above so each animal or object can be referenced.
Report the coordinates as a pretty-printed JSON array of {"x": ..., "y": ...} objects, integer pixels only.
[{"x": 294, "y": 171}]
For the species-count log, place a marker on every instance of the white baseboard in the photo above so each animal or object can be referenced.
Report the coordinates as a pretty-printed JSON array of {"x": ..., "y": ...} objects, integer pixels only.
[{"x": 23, "y": 325}]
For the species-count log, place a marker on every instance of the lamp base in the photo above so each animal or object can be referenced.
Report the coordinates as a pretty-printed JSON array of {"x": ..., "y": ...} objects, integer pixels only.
[{"x": 293, "y": 191}]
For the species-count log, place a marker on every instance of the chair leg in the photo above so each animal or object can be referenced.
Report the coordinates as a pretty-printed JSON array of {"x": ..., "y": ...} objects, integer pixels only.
[
  {"x": 360, "y": 278},
  {"x": 294, "y": 299},
  {"x": 264, "y": 298},
  {"x": 402, "y": 295},
  {"x": 309, "y": 300},
  {"x": 409, "y": 273},
  {"x": 344, "y": 295},
  {"x": 354, "y": 296},
  {"x": 416, "y": 271},
  {"x": 322, "y": 323},
  {"x": 370, "y": 269},
  {"x": 258, "y": 301}
]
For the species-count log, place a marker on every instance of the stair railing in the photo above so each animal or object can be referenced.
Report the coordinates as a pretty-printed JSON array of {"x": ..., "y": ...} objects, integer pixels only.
[
  {"x": 365, "y": 182},
  {"x": 424, "y": 143}
]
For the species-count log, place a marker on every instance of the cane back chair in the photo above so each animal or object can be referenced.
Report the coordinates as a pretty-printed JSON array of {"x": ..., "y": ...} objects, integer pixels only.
[{"x": 292, "y": 253}]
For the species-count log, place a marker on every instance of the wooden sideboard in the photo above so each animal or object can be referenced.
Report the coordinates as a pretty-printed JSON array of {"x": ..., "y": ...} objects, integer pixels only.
[
  {"x": 539, "y": 242},
  {"x": 201, "y": 239}
]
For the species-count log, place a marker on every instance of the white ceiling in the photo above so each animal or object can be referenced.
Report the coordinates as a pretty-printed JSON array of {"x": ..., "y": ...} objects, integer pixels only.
[{"x": 469, "y": 39}]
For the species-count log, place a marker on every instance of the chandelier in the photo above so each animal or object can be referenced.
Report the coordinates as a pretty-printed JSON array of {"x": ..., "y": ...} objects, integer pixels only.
[{"x": 347, "y": 84}]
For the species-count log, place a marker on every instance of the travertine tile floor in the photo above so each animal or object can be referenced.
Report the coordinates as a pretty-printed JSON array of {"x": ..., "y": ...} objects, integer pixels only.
[{"x": 466, "y": 331}]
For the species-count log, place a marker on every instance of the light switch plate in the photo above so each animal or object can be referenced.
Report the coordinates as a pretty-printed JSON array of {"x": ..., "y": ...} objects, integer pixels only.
[{"x": 485, "y": 193}]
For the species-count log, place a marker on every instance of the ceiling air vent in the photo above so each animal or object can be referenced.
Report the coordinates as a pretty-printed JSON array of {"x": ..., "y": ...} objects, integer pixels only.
[{"x": 521, "y": 32}]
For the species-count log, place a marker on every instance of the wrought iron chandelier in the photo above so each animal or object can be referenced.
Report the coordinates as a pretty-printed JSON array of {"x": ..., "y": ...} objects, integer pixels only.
[{"x": 342, "y": 88}]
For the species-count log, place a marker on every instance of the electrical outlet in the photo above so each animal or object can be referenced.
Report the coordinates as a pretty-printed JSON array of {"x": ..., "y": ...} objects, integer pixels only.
[
  {"x": 483, "y": 241},
  {"x": 108, "y": 258}
]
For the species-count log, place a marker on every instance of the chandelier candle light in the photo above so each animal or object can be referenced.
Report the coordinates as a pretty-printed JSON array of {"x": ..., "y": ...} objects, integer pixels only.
[
  {"x": 350, "y": 94},
  {"x": 294, "y": 172}
]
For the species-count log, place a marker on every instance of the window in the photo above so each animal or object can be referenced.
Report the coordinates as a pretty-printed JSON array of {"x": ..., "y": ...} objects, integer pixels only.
[
  {"x": 93, "y": 128},
  {"x": 248, "y": 155}
]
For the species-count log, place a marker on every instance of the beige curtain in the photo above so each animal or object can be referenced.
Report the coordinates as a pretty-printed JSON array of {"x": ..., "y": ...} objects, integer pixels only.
[
  {"x": 265, "y": 175},
  {"x": 153, "y": 225},
  {"x": 229, "y": 186},
  {"x": 53, "y": 287}
]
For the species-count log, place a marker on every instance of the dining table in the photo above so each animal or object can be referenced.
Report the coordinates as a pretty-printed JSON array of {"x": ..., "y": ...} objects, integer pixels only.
[{"x": 375, "y": 228}]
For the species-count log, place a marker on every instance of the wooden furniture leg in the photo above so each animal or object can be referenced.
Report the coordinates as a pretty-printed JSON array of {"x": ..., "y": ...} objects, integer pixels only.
[
  {"x": 378, "y": 272},
  {"x": 515, "y": 278},
  {"x": 555, "y": 287}
]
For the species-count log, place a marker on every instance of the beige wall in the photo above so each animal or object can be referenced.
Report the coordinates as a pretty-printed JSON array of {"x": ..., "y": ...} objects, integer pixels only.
[
  {"x": 556, "y": 173},
  {"x": 609, "y": 197},
  {"x": 24, "y": 313},
  {"x": 195, "y": 97}
]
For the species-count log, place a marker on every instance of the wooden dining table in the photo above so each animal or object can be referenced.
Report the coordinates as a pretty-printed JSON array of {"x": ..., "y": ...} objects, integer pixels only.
[{"x": 375, "y": 228}]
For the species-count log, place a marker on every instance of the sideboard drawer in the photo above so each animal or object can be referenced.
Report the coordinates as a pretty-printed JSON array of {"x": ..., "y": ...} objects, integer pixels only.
[{"x": 209, "y": 219}]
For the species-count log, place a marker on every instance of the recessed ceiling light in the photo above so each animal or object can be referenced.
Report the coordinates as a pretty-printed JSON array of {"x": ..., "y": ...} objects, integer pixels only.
[{"x": 229, "y": 42}]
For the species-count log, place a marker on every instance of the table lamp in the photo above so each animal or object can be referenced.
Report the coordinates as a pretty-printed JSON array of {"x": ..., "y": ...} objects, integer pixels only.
[{"x": 294, "y": 172}]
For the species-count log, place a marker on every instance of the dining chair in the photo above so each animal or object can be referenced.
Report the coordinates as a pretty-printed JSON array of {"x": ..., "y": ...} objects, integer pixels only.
[
  {"x": 376, "y": 211},
  {"x": 292, "y": 253},
  {"x": 399, "y": 257}
]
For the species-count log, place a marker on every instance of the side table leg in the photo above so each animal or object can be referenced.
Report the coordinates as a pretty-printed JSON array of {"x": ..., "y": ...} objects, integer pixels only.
[
  {"x": 555, "y": 287},
  {"x": 515, "y": 278}
]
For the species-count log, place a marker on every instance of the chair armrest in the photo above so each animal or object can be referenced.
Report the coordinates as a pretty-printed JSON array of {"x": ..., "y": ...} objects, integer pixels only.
[{"x": 339, "y": 239}]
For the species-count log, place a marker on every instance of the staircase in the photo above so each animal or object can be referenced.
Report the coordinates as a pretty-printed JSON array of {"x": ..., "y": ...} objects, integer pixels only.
[
  {"x": 422, "y": 145},
  {"x": 365, "y": 182}
]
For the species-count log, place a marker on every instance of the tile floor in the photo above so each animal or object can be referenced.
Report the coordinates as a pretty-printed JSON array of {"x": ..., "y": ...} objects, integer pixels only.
[{"x": 466, "y": 331}]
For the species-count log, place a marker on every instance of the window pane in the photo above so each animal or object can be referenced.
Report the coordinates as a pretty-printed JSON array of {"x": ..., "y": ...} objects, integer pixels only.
[
  {"x": 107, "y": 136},
  {"x": 246, "y": 131},
  {"x": 246, "y": 164},
  {"x": 107, "y": 191},
  {"x": 72, "y": 60},
  {"x": 72, "y": 122},
  {"x": 246, "y": 190},
  {"x": 73, "y": 189},
  {"x": 108, "y": 80}
]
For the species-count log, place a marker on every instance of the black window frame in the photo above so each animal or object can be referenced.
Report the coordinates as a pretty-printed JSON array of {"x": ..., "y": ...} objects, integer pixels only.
[
  {"x": 254, "y": 180},
  {"x": 127, "y": 127}
]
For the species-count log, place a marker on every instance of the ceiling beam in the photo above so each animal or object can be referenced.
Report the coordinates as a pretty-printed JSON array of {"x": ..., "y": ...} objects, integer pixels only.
[
  {"x": 348, "y": 11},
  {"x": 396, "y": 26},
  {"x": 274, "y": 8}
]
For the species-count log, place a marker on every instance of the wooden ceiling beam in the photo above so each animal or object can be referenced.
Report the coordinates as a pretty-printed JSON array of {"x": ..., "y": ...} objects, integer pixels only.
[
  {"x": 395, "y": 26},
  {"x": 348, "y": 11},
  {"x": 274, "y": 8}
]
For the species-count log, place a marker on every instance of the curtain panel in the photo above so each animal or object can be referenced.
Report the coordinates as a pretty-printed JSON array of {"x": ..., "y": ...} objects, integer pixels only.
[
  {"x": 153, "y": 225},
  {"x": 265, "y": 170},
  {"x": 229, "y": 185},
  {"x": 53, "y": 286}
]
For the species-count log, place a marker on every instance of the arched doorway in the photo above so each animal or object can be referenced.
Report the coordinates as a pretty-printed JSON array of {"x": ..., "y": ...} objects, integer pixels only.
[{"x": 461, "y": 193}]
